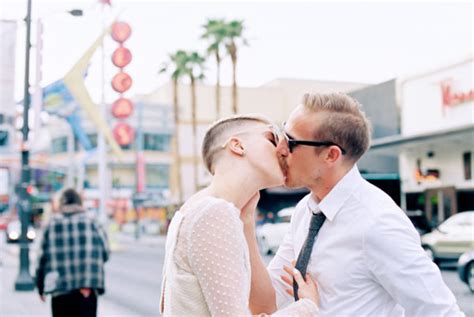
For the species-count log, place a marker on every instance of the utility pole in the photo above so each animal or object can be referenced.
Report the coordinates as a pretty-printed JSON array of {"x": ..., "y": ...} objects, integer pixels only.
[{"x": 24, "y": 281}]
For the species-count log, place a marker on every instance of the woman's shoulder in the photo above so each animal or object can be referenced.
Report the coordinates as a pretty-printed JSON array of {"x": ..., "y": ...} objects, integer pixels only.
[{"x": 209, "y": 207}]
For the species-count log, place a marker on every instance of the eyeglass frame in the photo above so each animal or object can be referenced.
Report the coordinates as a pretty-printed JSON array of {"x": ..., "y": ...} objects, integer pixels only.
[{"x": 292, "y": 143}]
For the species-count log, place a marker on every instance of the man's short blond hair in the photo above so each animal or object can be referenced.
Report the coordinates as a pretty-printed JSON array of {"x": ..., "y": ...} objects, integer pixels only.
[
  {"x": 219, "y": 132},
  {"x": 345, "y": 123}
]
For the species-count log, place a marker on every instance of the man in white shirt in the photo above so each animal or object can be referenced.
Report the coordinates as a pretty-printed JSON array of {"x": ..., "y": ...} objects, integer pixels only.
[{"x": 367, "y": 258}]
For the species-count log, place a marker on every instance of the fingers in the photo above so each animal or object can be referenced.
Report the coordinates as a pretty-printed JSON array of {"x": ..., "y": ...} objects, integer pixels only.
[
  {"x": 310, "y": 280},
  {"x": 287, "y": 280},
  {"x": 288, "y": 270},
  {"x": 298, "y": 278},
  {"x": 290, "y": 292}
]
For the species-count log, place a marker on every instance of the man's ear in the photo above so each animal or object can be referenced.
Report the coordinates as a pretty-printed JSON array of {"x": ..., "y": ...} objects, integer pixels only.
[
  {"x": 236, "y": 146},
  {"x": 333, "y": 154}
]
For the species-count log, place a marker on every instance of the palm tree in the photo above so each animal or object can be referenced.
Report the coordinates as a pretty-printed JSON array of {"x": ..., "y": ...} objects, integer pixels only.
[
  {"x": 215, "y": 32},
  {"x": 234, "y": 30},
  {"x": 176, "y": 65},
  {"x": 193, "y": 68}
]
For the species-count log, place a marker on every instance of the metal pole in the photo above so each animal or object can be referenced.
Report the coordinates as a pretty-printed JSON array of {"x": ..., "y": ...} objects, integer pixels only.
[
  {"x": 24, "y": 281},
  {"x": 140, "y": 169},
  {"x": 71, "y": 158},
  {"x": 102, "y": 147}
]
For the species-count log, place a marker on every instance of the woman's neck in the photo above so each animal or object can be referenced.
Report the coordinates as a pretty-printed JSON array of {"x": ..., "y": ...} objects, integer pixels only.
[{"x": 235, "y": 187}]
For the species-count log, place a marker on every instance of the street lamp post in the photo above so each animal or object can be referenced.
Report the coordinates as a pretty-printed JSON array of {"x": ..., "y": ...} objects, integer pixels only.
[{"x": 24, "y": 281}]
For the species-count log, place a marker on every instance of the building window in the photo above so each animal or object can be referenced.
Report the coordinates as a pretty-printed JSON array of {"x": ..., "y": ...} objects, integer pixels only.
[
  {"x": 128, "y": 147},
  {"x": 156, "y": 142},
  {"x": 59, "y": 145},
  {"x": 93, "y": 139},
  {"x": 467, "y": 160},
  {"x": 157, "y": 175}
]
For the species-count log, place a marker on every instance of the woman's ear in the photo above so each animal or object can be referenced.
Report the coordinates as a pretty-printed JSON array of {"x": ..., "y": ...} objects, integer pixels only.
[{"x": 236, "y": 146}]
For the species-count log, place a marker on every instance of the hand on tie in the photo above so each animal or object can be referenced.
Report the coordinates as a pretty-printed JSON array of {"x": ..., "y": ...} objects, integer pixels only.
[{"x": 307, "y": 287}]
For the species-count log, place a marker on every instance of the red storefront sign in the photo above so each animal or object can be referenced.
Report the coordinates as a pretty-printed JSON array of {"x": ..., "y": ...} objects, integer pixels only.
[
  {"x": 121, "y": 31},
  {"x": 121, "y": 57},
  {"x": 451, "y": 98},
  {"x": 122, "y": 108},
  {"x": 121, "y": 82},
  {"x": 124, "y": 134}
]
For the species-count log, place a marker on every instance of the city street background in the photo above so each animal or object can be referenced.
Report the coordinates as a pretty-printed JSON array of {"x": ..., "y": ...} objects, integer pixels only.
[{"x": 133, "y": 281}]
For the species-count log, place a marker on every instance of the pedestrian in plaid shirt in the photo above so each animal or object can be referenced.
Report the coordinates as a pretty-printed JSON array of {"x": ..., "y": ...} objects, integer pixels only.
[{"x": 71, "y": 262}]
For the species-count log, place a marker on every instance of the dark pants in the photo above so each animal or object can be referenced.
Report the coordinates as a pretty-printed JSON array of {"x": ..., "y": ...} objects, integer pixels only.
[{"x": 74, "y": 304}]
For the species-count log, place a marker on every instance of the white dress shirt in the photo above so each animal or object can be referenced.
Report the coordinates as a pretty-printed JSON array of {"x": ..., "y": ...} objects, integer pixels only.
[{"x": 367, "y": 258}]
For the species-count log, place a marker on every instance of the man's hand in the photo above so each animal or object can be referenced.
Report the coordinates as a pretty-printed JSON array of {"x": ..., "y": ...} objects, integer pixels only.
[
  {"x": 86, "y": 292},
  {"x": 247, "y": 214}
]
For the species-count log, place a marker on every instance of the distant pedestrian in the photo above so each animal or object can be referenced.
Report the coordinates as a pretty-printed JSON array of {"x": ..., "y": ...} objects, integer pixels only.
[{"x": 73, "y": 252}]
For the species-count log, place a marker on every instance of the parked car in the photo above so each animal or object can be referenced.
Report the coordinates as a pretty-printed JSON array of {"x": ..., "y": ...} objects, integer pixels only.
[
  {"x": 450, "y": 239},
  {"x": 13, "y": 232},
  {"x": 466, "y": 269},
  {"x": 270, "y": 235}
]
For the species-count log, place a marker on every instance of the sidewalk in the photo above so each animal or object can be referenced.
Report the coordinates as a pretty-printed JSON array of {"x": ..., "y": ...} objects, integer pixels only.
[
  {"x": 120, "y": 240},
  {"x": 28, "y": 304}
]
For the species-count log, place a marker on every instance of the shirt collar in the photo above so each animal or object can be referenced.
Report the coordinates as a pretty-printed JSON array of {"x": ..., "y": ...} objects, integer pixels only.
[{"x": 335, "y": 199}]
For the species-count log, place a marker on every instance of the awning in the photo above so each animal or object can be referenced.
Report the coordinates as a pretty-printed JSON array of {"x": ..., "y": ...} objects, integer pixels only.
[{"x": 463, "y": 135}]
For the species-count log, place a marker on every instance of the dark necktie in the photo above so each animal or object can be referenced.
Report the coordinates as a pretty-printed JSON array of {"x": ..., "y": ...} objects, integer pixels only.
[{"x": 316, "y": 223}]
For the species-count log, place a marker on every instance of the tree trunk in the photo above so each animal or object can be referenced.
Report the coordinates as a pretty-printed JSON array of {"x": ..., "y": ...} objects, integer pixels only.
[
  {"x": 177, "y": 154},
  {"x": 218, "y": 86},
  {"x": 194, "y": 124},
  {"x": 233, "y": 56}
]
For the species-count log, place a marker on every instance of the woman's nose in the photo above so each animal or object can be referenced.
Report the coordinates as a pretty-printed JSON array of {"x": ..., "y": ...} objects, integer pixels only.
[{"x": 282, "y": 148}]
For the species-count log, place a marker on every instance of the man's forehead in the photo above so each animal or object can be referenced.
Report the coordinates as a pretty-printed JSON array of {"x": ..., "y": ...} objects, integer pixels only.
[{"x": 300, "y": 122}]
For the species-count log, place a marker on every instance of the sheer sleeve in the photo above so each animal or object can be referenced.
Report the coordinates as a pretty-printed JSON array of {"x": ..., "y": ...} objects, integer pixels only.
[{"x": 218, "y": 256}]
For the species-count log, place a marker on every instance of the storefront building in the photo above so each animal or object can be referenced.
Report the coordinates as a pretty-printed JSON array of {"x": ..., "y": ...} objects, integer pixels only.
[{"x": 436, "y": 141}]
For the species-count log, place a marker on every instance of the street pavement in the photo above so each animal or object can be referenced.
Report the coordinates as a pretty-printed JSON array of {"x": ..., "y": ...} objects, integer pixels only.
[{"x": 133, "y": 281}]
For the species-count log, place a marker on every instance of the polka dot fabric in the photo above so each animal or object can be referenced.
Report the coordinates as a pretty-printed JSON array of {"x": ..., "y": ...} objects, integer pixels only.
[{"x": 211, "y": 246}]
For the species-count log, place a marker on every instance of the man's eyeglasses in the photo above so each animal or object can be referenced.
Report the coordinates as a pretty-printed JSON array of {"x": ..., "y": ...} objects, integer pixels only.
[{"x": 292, "y": 143}]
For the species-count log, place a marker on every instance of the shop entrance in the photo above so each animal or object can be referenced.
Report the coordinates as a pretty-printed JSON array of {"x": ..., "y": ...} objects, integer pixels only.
[{"x": 440, "y": 204}]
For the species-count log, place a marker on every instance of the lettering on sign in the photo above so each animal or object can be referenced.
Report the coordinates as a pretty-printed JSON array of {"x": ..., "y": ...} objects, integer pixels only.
[{"x": 451, "y": 97}]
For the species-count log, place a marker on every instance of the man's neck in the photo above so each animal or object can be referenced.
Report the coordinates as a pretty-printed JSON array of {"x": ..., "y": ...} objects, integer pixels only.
[{"x": 326, "y": 184}]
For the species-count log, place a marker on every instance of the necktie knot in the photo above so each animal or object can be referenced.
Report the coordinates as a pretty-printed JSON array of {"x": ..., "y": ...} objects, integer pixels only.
[{"x": 317, "y": 220}]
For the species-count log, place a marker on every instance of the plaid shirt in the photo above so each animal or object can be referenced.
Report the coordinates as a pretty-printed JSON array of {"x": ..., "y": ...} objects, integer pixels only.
[{"x": 73, "y": 252}]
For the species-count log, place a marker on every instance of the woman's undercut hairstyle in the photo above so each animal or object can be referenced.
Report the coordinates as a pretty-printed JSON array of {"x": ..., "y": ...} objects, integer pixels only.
[{"x": 219, "y": 132}]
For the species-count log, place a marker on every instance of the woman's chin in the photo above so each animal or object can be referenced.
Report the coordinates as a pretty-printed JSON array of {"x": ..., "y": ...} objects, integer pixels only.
[{"x": 277, "y": 181}]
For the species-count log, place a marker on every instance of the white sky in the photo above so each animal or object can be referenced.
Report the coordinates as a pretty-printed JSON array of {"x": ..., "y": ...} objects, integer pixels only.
[{"x": 357, "y": 42}]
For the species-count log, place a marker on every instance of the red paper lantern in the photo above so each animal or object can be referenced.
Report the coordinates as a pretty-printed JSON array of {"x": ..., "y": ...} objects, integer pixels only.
[
  {"x": 121, "y": 31},
  {"x": 124, "y": 133},
  {"x": 121, "y": 57},
  {"x": 122, "y": 108},
  {"x": 121, "y": 82}
]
